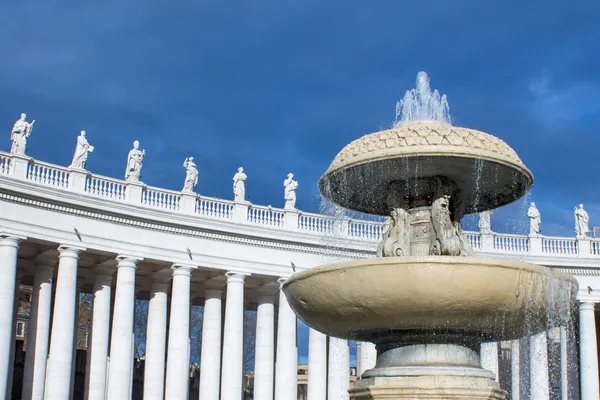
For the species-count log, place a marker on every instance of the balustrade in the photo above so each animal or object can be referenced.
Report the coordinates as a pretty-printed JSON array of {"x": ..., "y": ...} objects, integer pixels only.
[
  {"x": 511, "y": 243},
  {"x": 214, "y": 208},
  {"x": 101, "y": 186},
  {"x": 365, "y": 230},
  {"x": 48, "y": 174},
  {"x": 5, "y": 162},
  {"x": 474, "y": 239},
  {"x": 559, "y": 246},
  {"x": 315, "y": 223},
  {"x": 159, "y": 198},
  {"x": 265, "y": 216}
]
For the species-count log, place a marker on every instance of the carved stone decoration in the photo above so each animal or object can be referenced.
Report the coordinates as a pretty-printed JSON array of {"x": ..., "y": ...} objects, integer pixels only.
[
  {"x": 582, "y": 220},
  {"x": 82, "y": 150},
  {"x": 191, "y": 175},
  {"x": 459, "y": 208},
  {"x": 289, "y": 194},
  {"x": 239, "y": 185},
  {"x": 134, "y": 163},
  {"x": 19, "y": 134},
  {"x": 396, "y": 238},
  {"x": 535, "y": 220},
  {"x": 445, "y": 241}
]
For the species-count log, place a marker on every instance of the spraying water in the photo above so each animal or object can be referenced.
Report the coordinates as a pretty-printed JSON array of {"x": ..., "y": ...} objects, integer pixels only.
[{"x": 422, "y": 104}]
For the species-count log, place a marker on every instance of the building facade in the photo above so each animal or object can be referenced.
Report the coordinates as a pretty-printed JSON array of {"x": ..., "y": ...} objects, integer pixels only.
[{"x": 66, "y": 231}]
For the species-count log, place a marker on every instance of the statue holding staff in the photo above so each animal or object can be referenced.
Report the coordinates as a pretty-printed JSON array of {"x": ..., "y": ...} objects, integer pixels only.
[{"x": 19, "y": 134}]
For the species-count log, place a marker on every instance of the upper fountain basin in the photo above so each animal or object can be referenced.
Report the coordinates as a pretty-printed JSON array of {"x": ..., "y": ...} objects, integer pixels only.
[
  {"x": 428, "y": 299},
  {"x": 487, "y": 171}
]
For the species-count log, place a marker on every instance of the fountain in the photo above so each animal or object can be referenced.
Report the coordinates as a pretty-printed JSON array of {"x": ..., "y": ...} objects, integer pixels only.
[{"x": 426, "y": 302}]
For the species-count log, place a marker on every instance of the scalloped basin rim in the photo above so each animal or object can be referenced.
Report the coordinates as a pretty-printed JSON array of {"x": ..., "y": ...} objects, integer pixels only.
[{"x": 401, "y": 297}]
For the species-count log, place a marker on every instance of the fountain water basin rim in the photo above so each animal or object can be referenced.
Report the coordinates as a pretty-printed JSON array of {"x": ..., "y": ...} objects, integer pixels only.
[{"x": 431, "y": 299}]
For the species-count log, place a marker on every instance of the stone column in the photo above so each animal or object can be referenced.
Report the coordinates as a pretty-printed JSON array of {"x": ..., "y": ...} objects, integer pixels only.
[
  {"x": 233, "y": 338},
  {"x": 9, "y": 247},
  {"x": 286, "y": 363},
  {"x": 538, "y": 361},
  {"x": 210, "y": 355},
  {"x": 13, "y": 340},
  {"x": 588, "y": 352},
  {"x": 98, "y": 346},
  {"x": 367, "y": 359},
  {"x": 564, "y": 363},
  {"x": 178, "y": 357},
  {"x": 489, "y": 357},
  {"x": 121, "y": 341},
  {"x": 38, "y": 334},
  {"x": 156, "y": 340},
  {"x": 264, "y": 356},
  {"x": 60, "y": 361},
  {"x": 339, "y": 369},
  {"x": 515, "y": 370},
  {"x": 317, "y": 365}
]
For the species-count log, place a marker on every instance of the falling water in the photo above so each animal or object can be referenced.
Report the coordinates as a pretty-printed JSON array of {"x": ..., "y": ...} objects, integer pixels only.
[{"x": 421, "y": 103}]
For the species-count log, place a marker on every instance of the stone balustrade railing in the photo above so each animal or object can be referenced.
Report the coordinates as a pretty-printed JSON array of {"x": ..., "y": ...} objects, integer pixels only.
[{"x": 86, "y": 183}]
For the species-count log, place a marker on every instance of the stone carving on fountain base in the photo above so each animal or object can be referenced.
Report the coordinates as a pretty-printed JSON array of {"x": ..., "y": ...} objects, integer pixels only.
[{"x": 428, "y": 226}]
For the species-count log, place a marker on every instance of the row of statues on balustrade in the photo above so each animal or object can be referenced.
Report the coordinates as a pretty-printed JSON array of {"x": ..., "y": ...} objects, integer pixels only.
[
  {"x": 582, "y": 221},
  {"x": 22, "y": 129}
]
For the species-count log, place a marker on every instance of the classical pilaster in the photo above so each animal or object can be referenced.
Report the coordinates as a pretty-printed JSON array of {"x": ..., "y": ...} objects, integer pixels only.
[
  {"x": 367, "y": 359},
  {"x": 9, "y": 247},
  {"x": 317, "y": 365},
  {"x": 588, "y": 352},
  {"x": 60, "y": 361},
  {"x": 38, "y": 334},
  {"x": 489, "y": 357},
  {"x": 538, "y": 360},
  {"x": 233, "y": 338},
  {"x": 515, "y": 370},
  {"x": 338, "y": 369},
  {"x": 178, "y": 353},
  {"x": 121, "y": 342},
  {"x": 210, "y": 355},
  {"x": 264, "y": 357},
  {"x": 286, "y": 364},
  {"x": 98, "y": 345},
  {"x": 156, "y": 340}
]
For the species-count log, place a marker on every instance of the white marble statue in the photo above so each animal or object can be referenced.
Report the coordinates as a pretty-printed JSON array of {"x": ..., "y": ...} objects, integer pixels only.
[
  {"x": 582, "y": 220},
  {"x": 191, "y": 175},
  {"x": 290, "y": 192},
  {"x": 134, "y": 163},
  {"x": 81, "y": 152},
  {"x": 239, "y": 185},
  {"x": 535, "y": 220},
  {"x": 19, "y": 134},
  {"x": 485, "y": 222}
]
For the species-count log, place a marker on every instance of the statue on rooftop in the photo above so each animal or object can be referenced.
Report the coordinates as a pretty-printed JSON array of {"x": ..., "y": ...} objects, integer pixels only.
[
  {"x": 191, "y": 175},
  {"x": 582, "y": 220},
  {"x": 485, "y": 222},
  {"x": 134, "y": 163},
  {"x": 289, "y": 194},
  {"x": 535, "y": 220},
  {"x": 239, "y": 185},
  {"x": 81, "y": 152},
  {"x": 19, "y": 134}
]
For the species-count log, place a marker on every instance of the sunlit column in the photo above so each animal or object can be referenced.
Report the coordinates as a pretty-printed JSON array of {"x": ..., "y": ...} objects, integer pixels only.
[
  {"x": 233, "y": 338},
  {"x": 317, "y": 365},
  {"x": 368, "y": 357},
  {"x": 60, "y": 360},
  {"x": 156, "y": 341},
  {"x": 14, "y": 335},
  {"x": 178, "y": 356},
  {"x": 265, "y": 347},
  {"x": 489, "y": 357},
  {"x": 38, "y": 334},
  {"x": 338, "y": 369},
  {"x": 8, "y": 272},
  {"x": 515, "y": 370},
  {"x": 210, "y": 355},
  {"x": 538, "y": 361},
  {"x": 564, "y": 363},
  {"x": 286, "y": 364},
  {"x": 588, "y": 352},
  {"x": 121, "y": 342}
]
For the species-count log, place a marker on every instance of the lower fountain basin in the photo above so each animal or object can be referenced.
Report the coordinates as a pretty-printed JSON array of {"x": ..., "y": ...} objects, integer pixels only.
[{"x": 431, "y": 299}]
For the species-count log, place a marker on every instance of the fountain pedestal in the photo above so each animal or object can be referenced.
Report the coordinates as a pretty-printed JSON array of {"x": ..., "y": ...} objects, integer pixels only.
[{"x": 429, "y": 371}]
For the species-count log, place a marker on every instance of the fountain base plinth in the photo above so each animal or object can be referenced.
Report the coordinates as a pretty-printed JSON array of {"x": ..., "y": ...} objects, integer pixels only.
[{"x": 432, "y": 372}]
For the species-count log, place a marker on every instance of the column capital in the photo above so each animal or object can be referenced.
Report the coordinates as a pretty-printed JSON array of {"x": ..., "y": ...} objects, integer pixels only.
[
  {"x": 182, "y": 269},
  {"x": 10, "y": 240},
  {"x": 235, "y": 276},
  {"x": 126, "y": 260},
  {"x": 587, "y": 306},
  {"x": 70, "y": 251}
]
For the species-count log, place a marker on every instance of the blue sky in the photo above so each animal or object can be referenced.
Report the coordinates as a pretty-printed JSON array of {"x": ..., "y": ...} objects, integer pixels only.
[{"x": 281, "y": 86}]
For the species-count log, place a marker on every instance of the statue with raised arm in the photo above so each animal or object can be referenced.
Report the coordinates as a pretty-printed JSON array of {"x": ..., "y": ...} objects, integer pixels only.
[
  {"x": 289, "y": 193},
  {"x": 191, "y": 175},
  {"x": 81, "y": 152},
  {"x": 134, "y": 163},
  {"x": 239, "y": 185},
  {"x": 582, "y": 220},
  {"x": 19, "y": 134},
  {"x": 485, "y": 222},
  {"x": 535, "y": 220}
]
